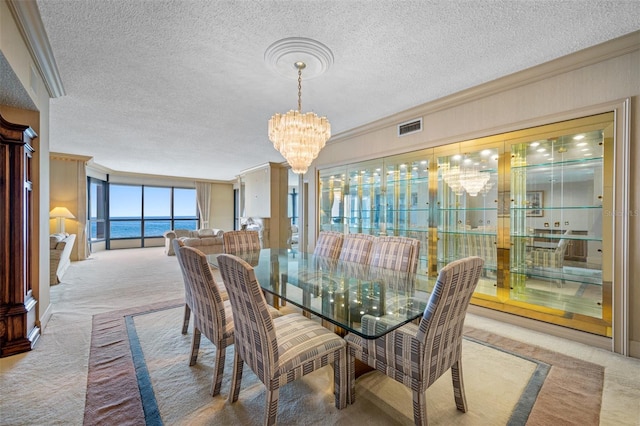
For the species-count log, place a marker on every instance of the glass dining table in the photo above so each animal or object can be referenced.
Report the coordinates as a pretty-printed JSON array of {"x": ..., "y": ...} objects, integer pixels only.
[{"x": 360, "y": 299}]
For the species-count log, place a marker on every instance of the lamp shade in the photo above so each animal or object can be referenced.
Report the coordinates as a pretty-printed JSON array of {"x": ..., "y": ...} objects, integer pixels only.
[{"x": 61, "y": 212}]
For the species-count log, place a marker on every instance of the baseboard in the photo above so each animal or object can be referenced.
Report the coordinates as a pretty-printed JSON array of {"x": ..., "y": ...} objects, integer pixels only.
[
  {"x": 601, "y": 342},
  {"x": 46, "y": 317}
]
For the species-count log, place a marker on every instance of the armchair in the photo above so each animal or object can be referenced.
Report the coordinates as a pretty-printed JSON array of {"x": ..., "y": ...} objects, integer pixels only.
[
  {"x": 549, "y": 257},
  {"x": 60, "y": 246}
]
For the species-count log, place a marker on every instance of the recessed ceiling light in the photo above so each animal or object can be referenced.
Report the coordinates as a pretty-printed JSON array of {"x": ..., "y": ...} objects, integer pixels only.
[
  {"x": 578, "y": 137},
  {"x": 541, "y": 149},
  {"x": 588, "y": 154},
  {"x": 546, "y": 155},
  {"x": 485, "y": 152},
  {"x": 534, "y": 144},
  {"x": 584, "y": 149},
  {"x": 581, "y": 144},
  {"x": 456, "y": 157}
]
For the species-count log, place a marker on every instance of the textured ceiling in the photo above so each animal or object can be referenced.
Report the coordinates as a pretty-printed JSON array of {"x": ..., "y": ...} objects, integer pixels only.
[
  {"x": 181, "y": 88},
  {"x": 12, "y": 92}
]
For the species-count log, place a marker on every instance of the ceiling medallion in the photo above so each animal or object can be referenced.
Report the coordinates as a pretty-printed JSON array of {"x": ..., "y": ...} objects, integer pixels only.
[
  {"x": 282, "y": 55},
  {"x": 299, "y": 136}
]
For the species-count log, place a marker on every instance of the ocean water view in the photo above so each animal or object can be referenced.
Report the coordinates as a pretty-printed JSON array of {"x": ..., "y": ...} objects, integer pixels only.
[{"x": 132, "y": 228}]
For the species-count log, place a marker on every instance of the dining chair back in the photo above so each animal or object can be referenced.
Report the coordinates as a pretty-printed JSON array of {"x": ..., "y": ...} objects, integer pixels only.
[
  {"x": 397, "y": 253},
  {"x": 212, "y": 316},
  {"x": 242, "y": 241},
  {"x": 329, "y": 244},
  {"x": 188, "y": 298},
  {"x": 278, "y": 350},
  {"x": 417, "y": 355},
  {"x": 357, "y": 248}
]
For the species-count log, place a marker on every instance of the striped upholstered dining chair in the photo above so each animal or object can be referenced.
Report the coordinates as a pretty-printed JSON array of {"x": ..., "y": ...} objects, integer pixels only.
[
  {"x": 329, "y": 244},
  {"x": 397, "y": 253},
  {"x": 357, "y": 248},
  {"x": 240, "y": 242},
  {"x": 212, "y": 316},
  {"x": 188, "y": 298},
  {"x": 278, "y": 350},
  {"x": 417, "y": 355}
]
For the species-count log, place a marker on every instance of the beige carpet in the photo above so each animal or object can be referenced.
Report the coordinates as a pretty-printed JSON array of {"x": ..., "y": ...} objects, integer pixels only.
[
  {"x": 48, "y": 385},
  {"x": 181, "y": 392}
]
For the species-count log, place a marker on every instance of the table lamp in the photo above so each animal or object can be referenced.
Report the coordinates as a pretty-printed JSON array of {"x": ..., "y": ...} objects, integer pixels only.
[{"x": 60, "y": 213}]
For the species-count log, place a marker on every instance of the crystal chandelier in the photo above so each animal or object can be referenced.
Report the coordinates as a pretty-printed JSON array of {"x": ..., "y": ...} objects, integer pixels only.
[
  {"x": 473, "y": 181},
  {"x": 470, "y": 180},
  {"x": 299, "y": 137}
]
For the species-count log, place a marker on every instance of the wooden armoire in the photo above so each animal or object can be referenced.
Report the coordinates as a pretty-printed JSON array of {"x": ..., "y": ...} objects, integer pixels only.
[{"x": 18, "y": 329}]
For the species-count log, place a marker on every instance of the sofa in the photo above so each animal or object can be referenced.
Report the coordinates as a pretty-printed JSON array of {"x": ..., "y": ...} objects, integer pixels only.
[
  {"x": 60, "y": 246},
  {"x": 208, "y": 241}
]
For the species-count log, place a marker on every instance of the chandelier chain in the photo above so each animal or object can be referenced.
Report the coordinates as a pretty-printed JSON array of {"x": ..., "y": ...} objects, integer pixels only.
[{"x": 300, "y": 90}]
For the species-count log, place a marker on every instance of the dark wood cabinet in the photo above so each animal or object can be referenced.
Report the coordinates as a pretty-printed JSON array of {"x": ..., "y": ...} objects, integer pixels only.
[{"x": 18, "y": 329}]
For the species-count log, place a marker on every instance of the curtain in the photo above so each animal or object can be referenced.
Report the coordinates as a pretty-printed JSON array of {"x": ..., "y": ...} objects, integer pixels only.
[
  {"x": 82, "y": 240},
  {"x": 203, "y": 195}
]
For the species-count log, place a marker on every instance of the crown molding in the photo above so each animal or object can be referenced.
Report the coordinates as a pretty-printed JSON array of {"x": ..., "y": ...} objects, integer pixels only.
[
  {"x": 591, "y": 55},
  {"x": 27, "y": 17},
  {"x": 68, "y": 157}
]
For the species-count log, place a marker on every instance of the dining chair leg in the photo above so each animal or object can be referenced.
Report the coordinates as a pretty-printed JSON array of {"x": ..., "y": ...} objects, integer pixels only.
[
  {"x": 306, "y": 301},
  {"x": 351, "y": 374},
  {"x": 340, "y": 379},
  {"x": 195, "y": 346},
  {"x": 219, "y": 370},
  {"x": 458, "y": 386},
  {"x": 236, "y": 377},
  {"x": 185, "y": 322},
  {"x": 419, "y": 408},
  {"x": 271, "y": 408}
]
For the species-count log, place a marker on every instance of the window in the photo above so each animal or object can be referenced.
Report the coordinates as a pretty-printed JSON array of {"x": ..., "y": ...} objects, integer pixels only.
[
  {"x": 97, "y": 209},
  {"x": 125, "y": 211},
  {"x": 139, "y": 211},
  {"x": 157, "y": 211},
  {"x": 185, "y": 209}
]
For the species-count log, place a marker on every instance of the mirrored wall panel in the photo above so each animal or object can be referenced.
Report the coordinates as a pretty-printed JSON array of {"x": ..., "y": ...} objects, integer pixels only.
[{"x": 532, "y": 203}]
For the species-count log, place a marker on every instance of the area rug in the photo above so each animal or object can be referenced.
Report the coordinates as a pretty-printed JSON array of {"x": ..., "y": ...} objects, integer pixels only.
[{"x": 139, "y": 374}]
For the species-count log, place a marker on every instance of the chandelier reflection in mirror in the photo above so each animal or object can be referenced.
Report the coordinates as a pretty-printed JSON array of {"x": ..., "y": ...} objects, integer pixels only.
[
  {"x": 467, "y": 177},
  {"x": 299, "y": 137}
]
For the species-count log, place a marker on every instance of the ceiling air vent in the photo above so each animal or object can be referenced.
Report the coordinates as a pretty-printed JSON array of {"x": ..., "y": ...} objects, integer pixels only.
[{"x": 409, "y": 127}]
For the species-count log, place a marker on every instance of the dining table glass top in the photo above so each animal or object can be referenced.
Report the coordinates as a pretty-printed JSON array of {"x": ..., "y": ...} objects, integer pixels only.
[{"x": 358, "y": 298}]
